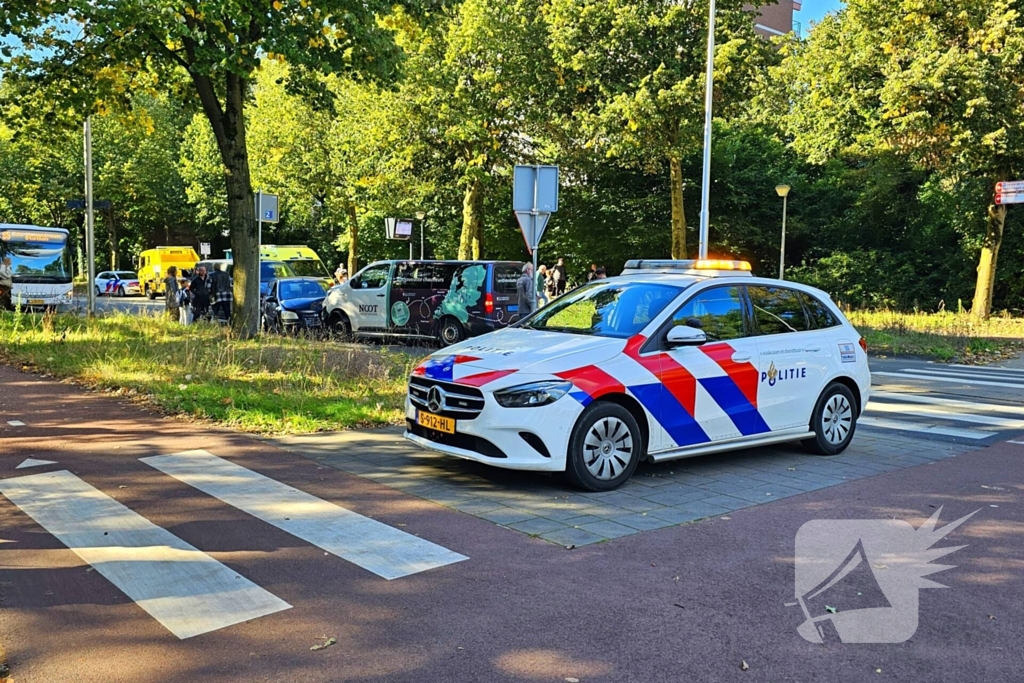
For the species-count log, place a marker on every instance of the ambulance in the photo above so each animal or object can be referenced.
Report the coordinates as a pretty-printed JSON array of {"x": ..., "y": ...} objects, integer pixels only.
[
  {"x": 153, "y": 265},
  {"x": 672, "y": 359}
]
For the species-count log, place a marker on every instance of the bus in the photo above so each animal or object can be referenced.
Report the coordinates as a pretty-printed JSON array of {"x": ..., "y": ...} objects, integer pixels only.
[{"x": 41, "y": 261}]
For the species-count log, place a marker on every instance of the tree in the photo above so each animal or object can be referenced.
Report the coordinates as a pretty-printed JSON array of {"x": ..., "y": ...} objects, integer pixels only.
[
  {"x": 635, "y": 71},
  {"x": 936, "y": 82},
  {"x": 118, "y": 46}
]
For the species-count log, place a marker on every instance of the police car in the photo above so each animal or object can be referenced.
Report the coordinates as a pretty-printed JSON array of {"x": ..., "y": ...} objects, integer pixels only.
[{"x": 670, "y": 360}]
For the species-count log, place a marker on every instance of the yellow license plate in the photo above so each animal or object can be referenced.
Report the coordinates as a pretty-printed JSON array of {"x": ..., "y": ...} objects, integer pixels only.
[
  {"x": 435, "y": 422},
  {"x": 36, "y": 302}
]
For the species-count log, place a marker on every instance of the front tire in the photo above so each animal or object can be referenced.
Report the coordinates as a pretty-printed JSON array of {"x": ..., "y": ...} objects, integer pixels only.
[
  {"x": 833, "y": 421},
  {"x": 98, "y": 292},
  {"x": 450, "y": 332},
  {"x": 605, "y": 447},
  {"x": 150, "y": 294},
  {"x": 120, "y": 292},
  {"x": 340, "y": 327}
]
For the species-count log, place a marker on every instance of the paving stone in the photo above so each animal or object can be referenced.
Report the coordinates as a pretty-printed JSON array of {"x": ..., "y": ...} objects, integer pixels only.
[
  {"x": 642, "y": 522},
  {"x": 679, "y": 496},
  {"x": 607, "y": 529},
  {"x": 728, "y": 502},
  {"x": 570, "y": 536},
  {"x": 537, "y": 526},
  {"x": 581, "y": 519},
  {"x": 506, "y": 516},
  {"x": 476, "y": 506}
]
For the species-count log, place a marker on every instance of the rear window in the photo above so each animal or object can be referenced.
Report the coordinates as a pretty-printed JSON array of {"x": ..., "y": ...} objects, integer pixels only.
[
  {"x": 777, "y": 310},
  {"x": 505, "y": 277}
]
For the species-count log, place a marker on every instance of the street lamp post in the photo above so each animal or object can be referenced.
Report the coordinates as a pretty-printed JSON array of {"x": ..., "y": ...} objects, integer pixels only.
[
  {"x": 783, "y": 191},
  {"x": 705, "y": 190},
  {"x": 421, "y": 216}
]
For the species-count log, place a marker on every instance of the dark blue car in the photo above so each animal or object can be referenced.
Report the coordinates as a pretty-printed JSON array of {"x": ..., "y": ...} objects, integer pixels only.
[{"x": 293, "y": 304}]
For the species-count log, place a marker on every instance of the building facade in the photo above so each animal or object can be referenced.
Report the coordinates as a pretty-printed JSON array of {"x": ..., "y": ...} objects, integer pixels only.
[{"x": 776, "y": 19}]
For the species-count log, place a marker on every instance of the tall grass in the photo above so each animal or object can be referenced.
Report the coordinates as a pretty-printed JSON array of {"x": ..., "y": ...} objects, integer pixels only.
[
  {"x": 945, "y": 335},
  {"x": 269, "y": 385}
]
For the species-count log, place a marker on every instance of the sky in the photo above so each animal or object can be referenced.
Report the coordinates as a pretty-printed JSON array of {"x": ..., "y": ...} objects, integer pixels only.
[{"x": 814, "y": 10}]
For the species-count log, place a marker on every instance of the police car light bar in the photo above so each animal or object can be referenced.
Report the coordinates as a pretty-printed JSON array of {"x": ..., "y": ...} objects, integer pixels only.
[{"x": 704, "y": 267}]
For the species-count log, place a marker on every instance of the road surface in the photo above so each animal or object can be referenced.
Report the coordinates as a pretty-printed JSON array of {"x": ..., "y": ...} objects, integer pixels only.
[{"x": 135, "y": 548}]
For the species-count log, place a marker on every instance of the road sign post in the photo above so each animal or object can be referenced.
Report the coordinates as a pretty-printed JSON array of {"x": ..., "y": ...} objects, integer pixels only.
[
  {"x": 204, "y": 249},
  {"x": 534, "y": 199}
]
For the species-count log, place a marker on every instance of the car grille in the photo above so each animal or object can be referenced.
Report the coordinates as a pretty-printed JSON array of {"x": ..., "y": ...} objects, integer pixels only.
[
  {"x": 459, "y": 402},
  {"x": 311, "y": 318}
]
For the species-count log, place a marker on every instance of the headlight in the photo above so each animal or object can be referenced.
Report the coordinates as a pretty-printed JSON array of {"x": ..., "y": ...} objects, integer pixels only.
[
  {"x": 533, "y": 394},
  {"x": 289, "y": 315}
]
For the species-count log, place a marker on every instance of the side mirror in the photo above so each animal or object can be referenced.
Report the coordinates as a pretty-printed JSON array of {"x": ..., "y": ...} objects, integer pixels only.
[{"x": 683, "y": 335}]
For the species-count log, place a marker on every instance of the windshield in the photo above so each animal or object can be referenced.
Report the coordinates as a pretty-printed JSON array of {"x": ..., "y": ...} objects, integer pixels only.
[
  {"x": 303, "y": 289},
  {"x": 605, "y": 309},
  {"x": 36, "y": 256},
  {"x": 309, "y": 268},
  {"x": 271, "y": 270}
]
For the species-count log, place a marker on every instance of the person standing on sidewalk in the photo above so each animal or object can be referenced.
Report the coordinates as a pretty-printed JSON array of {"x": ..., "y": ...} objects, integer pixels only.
[
  {"x": 6, "y": 284},
  {"x": 527, "y": 291},
  {"x": 559, "y": 277},
  {"x": 200, "y": 295},
  {"x": 221, "y": 295},
  {"x": 171, "y": 293},
  {"x": 542, "y": 286}
]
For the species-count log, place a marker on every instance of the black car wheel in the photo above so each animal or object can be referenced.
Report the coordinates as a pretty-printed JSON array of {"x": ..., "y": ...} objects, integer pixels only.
[
  {"x": 833, "y": 421},
  {"x": 98, "y": 293},
  {"x": 450, "y": 331},
  {"x": 605, "y": 447},
  {"x": 340, "y": 327},
  {"x": 120, "y": 291}
]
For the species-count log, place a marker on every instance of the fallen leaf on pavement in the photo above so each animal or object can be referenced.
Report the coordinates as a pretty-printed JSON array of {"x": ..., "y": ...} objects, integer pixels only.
[
  {"x": 744, "y": 666},
  {"x": 326, "y": 643}
]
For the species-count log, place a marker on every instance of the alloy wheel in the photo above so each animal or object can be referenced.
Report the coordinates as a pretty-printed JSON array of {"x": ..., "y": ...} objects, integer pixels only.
[{"x": 608, "y": 448}]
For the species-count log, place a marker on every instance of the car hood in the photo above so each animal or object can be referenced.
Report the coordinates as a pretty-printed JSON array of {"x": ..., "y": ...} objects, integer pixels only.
[
  {"x": 520, "y": 350},
  {"x": 298, "y": 305}
]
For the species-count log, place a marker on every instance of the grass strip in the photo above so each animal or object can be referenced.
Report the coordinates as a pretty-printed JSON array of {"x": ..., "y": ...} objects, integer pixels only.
[
  {"x": 270, "y": 385},
  {"x": 944, "y": 336}
]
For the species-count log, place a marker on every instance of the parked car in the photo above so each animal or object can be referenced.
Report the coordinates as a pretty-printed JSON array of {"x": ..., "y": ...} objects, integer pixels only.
[
  {"x": 293, "y": 304},
  {"x": 117, "y": 283},
  {"x": 444, "y": 300}
]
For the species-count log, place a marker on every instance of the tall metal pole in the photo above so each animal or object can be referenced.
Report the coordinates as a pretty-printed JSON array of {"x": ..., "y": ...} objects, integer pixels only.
[
  {"x": 89, "y": 220},
  {"x": 705, "y": 198},
  {"x": 782, "y": 251},
  {"x": 423, "y": 224}
]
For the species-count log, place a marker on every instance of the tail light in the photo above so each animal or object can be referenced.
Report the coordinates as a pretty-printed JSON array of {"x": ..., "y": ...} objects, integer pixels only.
[
  {"x": 864, "y": 344},
  {"x": 488, "y": 303}
]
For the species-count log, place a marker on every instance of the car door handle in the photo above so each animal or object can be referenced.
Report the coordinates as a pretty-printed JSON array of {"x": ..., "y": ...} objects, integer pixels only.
[
  {"x": 741, "y": 357},
  {"x": 812, "y": 349},
  {"x": 380, "y": 296}
]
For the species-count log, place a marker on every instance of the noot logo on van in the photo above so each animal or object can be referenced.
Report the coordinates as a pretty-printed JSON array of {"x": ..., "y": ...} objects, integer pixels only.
[{"x": 367, "y": 308}]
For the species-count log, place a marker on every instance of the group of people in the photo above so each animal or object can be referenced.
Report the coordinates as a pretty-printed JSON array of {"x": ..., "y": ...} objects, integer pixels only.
[
  {"x": 206, "y": 296},
  {"x": 6, "y": 284},
  {"x": 538, "y": 290}
]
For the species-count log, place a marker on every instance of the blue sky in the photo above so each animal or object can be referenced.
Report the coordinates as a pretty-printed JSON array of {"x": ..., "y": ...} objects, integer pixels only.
[{"x": 814, "y": 10}]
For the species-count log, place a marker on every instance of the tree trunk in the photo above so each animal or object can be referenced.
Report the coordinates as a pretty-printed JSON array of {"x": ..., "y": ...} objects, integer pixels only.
[
  {"x": 353, "y": 237},
  {"x": 108, "y": 216},
  {"x": 678, "y": 215},
  {"x": 982, "y": 306},
  {"x": 228, "y": 122},
  {"x": 472, "y": 223}
]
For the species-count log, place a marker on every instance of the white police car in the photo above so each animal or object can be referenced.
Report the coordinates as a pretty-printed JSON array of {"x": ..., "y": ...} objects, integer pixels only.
[{"x": 669, "y": 360}]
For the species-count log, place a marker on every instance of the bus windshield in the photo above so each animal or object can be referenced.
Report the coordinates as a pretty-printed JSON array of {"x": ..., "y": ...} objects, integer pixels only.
[{"x": 37, "y": 256}]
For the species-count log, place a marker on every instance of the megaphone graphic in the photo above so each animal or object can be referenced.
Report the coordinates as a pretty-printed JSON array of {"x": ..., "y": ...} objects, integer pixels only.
[{"x": 851, "y": 586}]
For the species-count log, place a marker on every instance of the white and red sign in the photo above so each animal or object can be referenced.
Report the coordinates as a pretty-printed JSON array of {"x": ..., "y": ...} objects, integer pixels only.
[{"x": 1010, "y": 192}]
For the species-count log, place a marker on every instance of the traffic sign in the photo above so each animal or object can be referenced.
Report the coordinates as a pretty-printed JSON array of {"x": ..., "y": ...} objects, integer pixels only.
[
  {"x": 266, "y": 208},
  {"x": 1010, "y": 187},
  {"x": 535, "y": 188},
  {"x": 1010, "y": 198},
  {"x": 204, "y": 249},
  {"x": 532, "y": 224}
]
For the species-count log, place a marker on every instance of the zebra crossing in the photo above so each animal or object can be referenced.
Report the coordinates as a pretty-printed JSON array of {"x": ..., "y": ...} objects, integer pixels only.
[
  {"x": 183, "y": 588},
  {"x": 960, "y": 402}
]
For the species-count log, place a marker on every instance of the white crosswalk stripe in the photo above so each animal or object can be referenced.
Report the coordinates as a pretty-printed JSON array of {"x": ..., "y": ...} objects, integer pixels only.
[{"x": 929, "y": 413}]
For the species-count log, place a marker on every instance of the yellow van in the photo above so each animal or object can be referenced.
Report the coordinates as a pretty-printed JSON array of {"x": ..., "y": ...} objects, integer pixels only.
[
  {"x": 153, "y": 265},
  {"x": 300, "y": 258}
]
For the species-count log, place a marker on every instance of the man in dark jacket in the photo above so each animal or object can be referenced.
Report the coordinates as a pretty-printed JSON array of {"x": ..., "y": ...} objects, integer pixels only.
[
  {"x": 200, "y": 295},
  {"x": 527, "y": 291},
  {"x": 221, "y": 295},
  {"x": 559, "y": 277}
]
